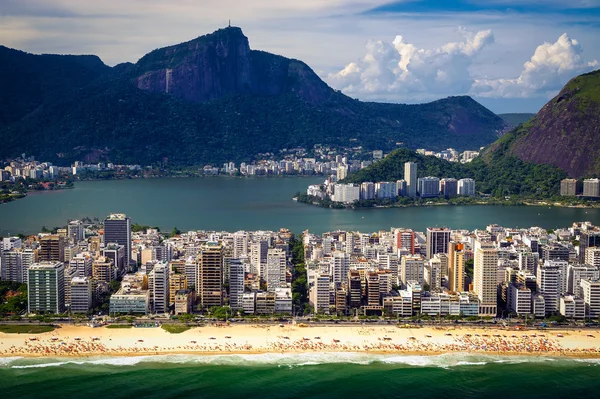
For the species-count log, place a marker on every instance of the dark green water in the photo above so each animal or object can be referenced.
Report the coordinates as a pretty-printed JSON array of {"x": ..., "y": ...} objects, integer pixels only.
[
  {"x": 252, "y": 204},
  {"x": 302, "y": 376}
]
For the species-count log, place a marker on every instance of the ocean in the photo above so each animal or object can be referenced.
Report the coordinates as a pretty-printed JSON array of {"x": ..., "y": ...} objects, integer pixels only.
[{"x": 333, "y": 375}]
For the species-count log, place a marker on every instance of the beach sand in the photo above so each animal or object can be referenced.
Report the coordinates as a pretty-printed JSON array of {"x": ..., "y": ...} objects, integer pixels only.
[{"x": 236, "y": 339}]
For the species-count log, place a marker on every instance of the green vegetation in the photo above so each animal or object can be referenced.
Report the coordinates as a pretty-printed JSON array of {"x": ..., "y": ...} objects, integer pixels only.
[
  {"x": 299, "y": 278},
  {"x": 13, "y": 298},
  {"x": 175, "y": 328},
  {"x": 139, "y": 228},
  {"x": 25, "y": 329},
  {"x": 119, "y": 326}
]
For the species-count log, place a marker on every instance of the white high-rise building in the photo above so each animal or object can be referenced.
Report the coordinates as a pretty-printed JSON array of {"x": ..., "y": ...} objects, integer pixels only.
[
  {"x": 386, "y": 189},
  {"x": 276, "y": 269},
  {"x": 240, "y": 244},
  {"x": 412, "y": 269},
  {"x": 466, "y": 187},
  {"x": 320, "y": 294},
  {"x": 592, "y": 256},
  {"x": 410, "y": 177},
  {"x": 11, "y": 265},
  {"x": 485, "y": 275},
  {"x": 429, "y": 187},
  {"x": 346, "y": 193},
  {"x": 258, "y": 257},
  {"x": 577, "y": 273},
  {"x": 548, "y": 284},
  {"x": 81, "y": 295},
  {"x": 339, "y": 266},
  {"x": 158, "y": 284},
  {"x": 236, "y": 284},
  {"x": 591, "y": 297}
]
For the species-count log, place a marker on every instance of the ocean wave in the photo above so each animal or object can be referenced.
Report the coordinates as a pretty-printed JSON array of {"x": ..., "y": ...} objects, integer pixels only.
[{"x": 290, "y": 360}]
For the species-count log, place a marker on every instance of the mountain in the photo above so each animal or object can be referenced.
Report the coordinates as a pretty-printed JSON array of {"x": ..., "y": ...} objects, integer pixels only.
[
  {"x": 564, "y": 133},
  {"x": 209, "y": 100}
]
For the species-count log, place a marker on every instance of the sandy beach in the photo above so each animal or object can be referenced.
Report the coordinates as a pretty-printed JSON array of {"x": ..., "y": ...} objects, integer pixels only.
[{"x": 82, "y": 341}]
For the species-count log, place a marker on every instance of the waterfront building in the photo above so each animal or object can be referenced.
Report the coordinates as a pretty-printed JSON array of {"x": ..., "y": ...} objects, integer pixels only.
[
  {"x": 549, "y": 285},
  {"x": 572, "y": 307},
  {"x": 367, "y": 191},
  {"x": 429, "y": 187},
  {"x": 248, "y": 303},
  {"x": 576, "y": 273},
  {"x": 568, "y": 187},
  {"x": 591, "y": 297},
  {"x": 320, "y": 294},
  {"x": 485, "y": 275},
  {"x": 386, "y": 189},
  {"x": 519, "y": 299},
  {"x": 398, "y": 304},
  {"x": 183, "y": 302},
  {"x": 276, "y": 269},
  {"x": 52, "y": 248},
  {"x": 46, "y": 288},
  {"x": 591, "y": 188},
  {"x": 346, "y": 193},
  {"x": 410, "y": 177},
  {"x": 81, "y": 295},
  {"x": 209, "y": 277},
  {"x": 437, "y": 241},
  {"x": 265, "y": 303},
  {"x": 466, "y": 187},
  {"x": 401, "y": 188},
  {"x": 132, "y": 297},
  {"x": 283, "y": 301},
  {"x": 236, "y": 284},
  {"x": 158, "y": 285},
  {"x": 449, "y": 187},
  {"x": 456, "y": 267},
  {"x": 117, "y": 229}
]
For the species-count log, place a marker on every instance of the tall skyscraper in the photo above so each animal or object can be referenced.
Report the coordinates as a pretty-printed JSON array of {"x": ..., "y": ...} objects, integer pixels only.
[
  {"x": 588, "y": 239},
  {"x": 466, "y": 187},
  {"x": 117, "y": 229},
  {"x": 456, "y": 267},
  {"x": 485, "y": 277},
  {"x": 46, "y": 288},
  {"x": 236, "y": 284},
  {"x": 548, "y": 284},
  {"x": 158, "y": 285},
  {"x": 410, "y": 177},
  {"x": 437, "y": 241},
  {"x": 428, "y": 187},
  {"x": 209, "y": 281},
  {"x": 568, "y": 187},
  {"x": 339, "y": 265}
]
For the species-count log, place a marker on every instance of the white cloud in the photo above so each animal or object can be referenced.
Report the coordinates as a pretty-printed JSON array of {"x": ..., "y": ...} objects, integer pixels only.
[
  {"x": 400, "y": 69},
  {"x": 550, "y": 67}
]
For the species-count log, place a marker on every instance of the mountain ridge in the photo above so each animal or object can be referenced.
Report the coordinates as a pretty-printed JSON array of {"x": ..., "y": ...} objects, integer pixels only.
[{"x": 210, "y": 100}]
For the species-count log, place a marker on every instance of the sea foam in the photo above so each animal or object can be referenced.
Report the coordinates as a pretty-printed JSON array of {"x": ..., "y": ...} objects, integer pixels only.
[{"x": 288, "y": 360}]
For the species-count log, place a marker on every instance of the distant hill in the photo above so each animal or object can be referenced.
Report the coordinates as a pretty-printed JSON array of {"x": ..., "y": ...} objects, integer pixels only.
[
  {"x": 514, "y": 120},
  {"x": 564, "y": 133},
  {"x": 208, "y": 100}
]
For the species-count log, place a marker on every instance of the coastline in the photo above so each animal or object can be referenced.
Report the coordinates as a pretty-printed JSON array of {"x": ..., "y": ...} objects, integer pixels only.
[{"x": 86, "y": 342}]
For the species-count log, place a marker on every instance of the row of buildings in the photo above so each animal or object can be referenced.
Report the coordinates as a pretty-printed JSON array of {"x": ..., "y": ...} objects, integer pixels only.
[
  {"x": 587, "y": 188},
  {"x": 401, "y": 272},
  {"x": 410, "y": 186}
]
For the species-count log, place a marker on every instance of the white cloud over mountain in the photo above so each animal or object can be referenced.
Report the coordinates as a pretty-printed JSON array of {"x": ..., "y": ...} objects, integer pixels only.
[
  {"x": 550, "y": 67},
  {"x": 401, "y": 71}
]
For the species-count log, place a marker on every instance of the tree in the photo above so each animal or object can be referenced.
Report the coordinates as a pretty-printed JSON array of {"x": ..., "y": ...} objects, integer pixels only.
[{"x": 175, "y": 232}]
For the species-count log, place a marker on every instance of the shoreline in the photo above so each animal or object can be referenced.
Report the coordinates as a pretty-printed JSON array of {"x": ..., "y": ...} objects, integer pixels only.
[{"x": 87, "y": 342}]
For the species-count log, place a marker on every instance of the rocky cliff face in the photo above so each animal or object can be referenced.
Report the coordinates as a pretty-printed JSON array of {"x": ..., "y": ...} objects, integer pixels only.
[
  {"x": 566, "y": 131},
  {"x": 222, "y": 63}
]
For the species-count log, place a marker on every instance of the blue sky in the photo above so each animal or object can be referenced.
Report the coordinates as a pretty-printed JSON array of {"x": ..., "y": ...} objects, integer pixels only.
[{"x": 510, "y": 55}]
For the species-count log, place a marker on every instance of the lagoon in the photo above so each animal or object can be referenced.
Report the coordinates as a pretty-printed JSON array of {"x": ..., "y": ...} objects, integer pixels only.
[{"x": 233, "y": 204}]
